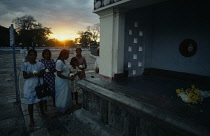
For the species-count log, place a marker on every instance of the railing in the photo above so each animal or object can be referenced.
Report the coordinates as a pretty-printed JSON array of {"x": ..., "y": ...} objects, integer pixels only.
[{"x": 102, "y": 3}]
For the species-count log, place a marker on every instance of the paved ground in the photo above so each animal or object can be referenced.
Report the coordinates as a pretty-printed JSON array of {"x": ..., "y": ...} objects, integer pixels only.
[{"x": 14, "y": 117}]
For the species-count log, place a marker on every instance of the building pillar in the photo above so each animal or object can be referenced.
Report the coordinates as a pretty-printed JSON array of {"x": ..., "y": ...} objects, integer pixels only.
[{"x": 112, "y": 27}]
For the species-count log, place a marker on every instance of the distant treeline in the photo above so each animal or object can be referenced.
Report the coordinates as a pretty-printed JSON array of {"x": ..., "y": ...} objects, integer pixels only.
[
  {"x": 29, "y": 33},
  {"x": 5, "y": 41}
]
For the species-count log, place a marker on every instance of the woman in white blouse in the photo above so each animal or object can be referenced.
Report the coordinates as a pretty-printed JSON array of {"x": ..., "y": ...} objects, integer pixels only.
[{"x": 63, "y": 98}]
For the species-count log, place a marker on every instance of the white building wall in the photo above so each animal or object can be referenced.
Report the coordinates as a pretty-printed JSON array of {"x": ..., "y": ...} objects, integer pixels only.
[
  {"x": 118, "y": 42},
  {"x": 106, "y": 38},
  {"x": 111, "y": 42}
]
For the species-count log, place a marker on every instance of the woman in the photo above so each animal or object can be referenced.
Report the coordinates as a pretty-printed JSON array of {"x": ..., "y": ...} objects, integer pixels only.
[
  {"x": 49, "y": 77},
  {"x": 82, "y": 63},
  {"x": 32, "y": 70},
  {"x": 63, "y": 99}
]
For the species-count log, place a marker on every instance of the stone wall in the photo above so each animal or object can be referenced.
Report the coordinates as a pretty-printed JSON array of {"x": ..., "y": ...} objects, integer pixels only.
[
  {"x": 131, "y": 117},
  {"x": 128, "y": 122}
]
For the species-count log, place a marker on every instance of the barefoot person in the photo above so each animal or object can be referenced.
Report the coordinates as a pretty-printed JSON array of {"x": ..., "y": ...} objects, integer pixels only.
[{"x": 31, "y": 70}]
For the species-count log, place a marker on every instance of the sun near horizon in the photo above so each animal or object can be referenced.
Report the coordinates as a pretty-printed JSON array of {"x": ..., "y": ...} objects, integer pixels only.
[{"x": 62, "y": 36}]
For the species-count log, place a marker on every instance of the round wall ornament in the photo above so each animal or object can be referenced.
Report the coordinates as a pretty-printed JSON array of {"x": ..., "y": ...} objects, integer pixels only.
[{"x": 188, "y": 47}]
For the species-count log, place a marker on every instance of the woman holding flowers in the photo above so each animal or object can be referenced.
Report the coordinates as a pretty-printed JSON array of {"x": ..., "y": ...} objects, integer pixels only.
[
  {"x": 63, "y": 99},
  {"x": 32, "y": 70},
  {"x": 82, "y": 63},
  {"x": 49, "y": 77}
]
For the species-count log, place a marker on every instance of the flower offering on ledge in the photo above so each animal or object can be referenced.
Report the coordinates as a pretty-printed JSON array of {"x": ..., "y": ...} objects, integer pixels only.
[{"x": 192, "y": 95}]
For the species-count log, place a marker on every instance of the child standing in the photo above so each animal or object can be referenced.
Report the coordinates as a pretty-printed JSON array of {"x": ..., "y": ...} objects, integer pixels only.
[
  {"x": 74, "y": 72},
  {"x": 49, "y": 77},
  {"x": 82, "y": 63}
]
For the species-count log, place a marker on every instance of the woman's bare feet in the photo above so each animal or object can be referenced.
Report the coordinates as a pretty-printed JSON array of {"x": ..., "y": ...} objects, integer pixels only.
[
  {"x": 44, "y": 116},
  {"x": 31, "y": 123},
  {"x": 45, "y": 107}
]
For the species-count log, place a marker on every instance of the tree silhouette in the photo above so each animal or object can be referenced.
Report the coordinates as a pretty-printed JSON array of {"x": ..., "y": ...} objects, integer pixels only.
[
  {"x": 85, "y": 38},
  {"x": 29, "y": 31},
  {"x": 95, "y": 31}
]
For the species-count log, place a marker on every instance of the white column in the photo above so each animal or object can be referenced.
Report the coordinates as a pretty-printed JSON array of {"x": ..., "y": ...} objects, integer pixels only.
[
  {"x": 112, "y": 27},
  {"x": 118, "y": 42}
]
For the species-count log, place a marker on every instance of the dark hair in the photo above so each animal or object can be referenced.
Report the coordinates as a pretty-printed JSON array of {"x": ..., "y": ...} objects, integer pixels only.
[
  {"x": 63, "y": 53},
  {"x": 45, "y": 51},
  {"x": 78, "y": 49},
  {"x": 32, "y": 50},
  {"x": 74, "y": 59}
]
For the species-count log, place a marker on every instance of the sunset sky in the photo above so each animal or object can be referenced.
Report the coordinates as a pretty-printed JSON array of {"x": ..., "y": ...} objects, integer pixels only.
[{"x": 64, "y": 17}]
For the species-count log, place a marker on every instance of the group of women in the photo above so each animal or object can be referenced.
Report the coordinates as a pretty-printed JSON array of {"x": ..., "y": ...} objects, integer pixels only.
[{"x": 53, "y": 73}]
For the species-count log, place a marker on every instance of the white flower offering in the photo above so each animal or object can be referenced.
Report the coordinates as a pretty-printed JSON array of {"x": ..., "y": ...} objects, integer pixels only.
[
  {"x": 184, "y": 97},
  {"x": 192, "y": 95},
  {"x": 81, "y": 66},
  {"x": 47, "y": 70},
  {"x": 35, "y": 72}
]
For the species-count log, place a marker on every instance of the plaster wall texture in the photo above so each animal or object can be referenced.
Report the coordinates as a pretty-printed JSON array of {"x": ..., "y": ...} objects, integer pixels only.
[
  {"x": 170, "y": 28},
  {"x": 118, "y": 43},
  {"x": 112, "y": 43},
  {"x": 174, "y": 23},
  {"x": 166, "y": 25},
  {"x": 106, "y": 26}
]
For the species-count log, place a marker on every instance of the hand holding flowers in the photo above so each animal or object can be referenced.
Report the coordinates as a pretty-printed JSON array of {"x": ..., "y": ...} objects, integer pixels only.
[
  {"x": 71, "y": 75},
  {"x": 38, "y": 73},
  {"x": 35, "y": 72},
  {"x": 47, "y": 70},
  {"x": 82, "y": 67}
]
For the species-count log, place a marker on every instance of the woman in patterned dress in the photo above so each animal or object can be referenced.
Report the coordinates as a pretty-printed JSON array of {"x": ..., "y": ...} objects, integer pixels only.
[{"x": 49, "y": 77}]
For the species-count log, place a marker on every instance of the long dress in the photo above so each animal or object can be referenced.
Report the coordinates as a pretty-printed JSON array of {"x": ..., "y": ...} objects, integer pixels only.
[
  {"x": 30, "y": 83},
  {"x": 49, "y": 77},
  {"x": 63, "y": 99}
]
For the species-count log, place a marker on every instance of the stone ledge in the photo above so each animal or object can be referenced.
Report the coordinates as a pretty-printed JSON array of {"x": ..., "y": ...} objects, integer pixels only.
[
  {"x": 140, "y": 107},
  {"x": 97, "y": 128}
]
